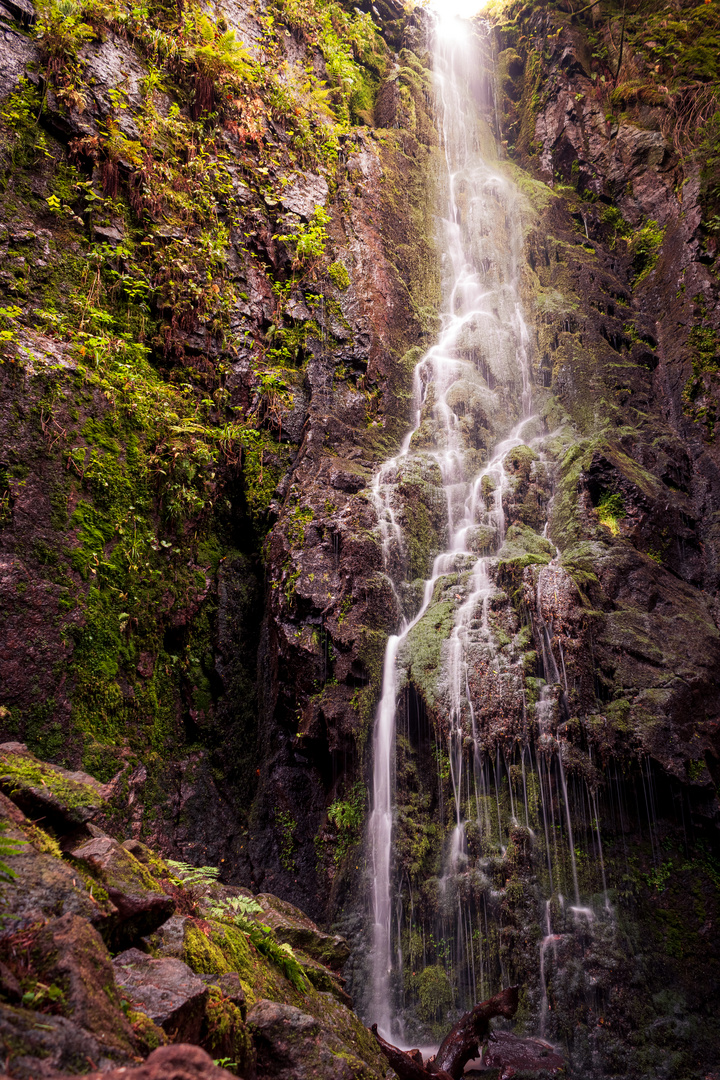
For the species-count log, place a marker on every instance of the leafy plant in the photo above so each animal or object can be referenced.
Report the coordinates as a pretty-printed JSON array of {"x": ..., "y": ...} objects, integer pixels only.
[
  {"x": 282, "y": 956},
  {"x": 348, "y": 815},
  {"x": 611, "y": 509},
  {"x": 236, "y": 910},
  {"x": 234, "y": 906},
  {"x": 8, "y": 847},
  {"x": 287, "y": 825},
  {"x": 308, "y": 241},
  {"x": 193, "y": 876}
]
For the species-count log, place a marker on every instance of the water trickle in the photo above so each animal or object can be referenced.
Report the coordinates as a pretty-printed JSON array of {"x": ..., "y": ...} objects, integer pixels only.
[{"x": 518, "y": 792}]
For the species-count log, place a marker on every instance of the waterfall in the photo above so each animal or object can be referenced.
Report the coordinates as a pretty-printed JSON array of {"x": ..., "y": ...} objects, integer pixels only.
[{"x": 472, "y": 408}]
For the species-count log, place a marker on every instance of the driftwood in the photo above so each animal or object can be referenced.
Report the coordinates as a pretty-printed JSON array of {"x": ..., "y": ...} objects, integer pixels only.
[
  {"x": 460, "y": 1045},
  {"x": 407, "y": 1064}
]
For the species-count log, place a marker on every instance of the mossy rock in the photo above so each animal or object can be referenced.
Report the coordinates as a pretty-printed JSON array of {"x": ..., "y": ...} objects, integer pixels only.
[
  {"x": 523, "y": 547},
  {"x": 63, "y": 799},
  {"x": 224, "y": 1033},
  {"x": 423, "y": 648}
]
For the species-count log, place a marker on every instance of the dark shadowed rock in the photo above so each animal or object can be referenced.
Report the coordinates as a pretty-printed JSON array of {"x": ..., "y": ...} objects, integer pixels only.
[
  {"x": 510, "y": 1054},
  {"x": 70, "y": 953},
  {"x": 37, "y": 1046},
  {"x": 166, "y": 990},
  {"x": 141, "y": 905},
  {"x": 292, "y": 1045}
]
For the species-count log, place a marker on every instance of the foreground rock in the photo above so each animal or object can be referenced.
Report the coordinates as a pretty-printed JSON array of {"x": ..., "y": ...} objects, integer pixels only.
[
  {"x": 36, "y": 1046},
  {"x": 67, "y": 1007},
  {"x": 293, "y": 1045},
  {"x": 43, "y": 884},
  {"x": 165, "y": 990},
  {"x": 179, "y": 1062},
  {"x": 140, "y": 904},
  {"x": 511, "y": 1054}
]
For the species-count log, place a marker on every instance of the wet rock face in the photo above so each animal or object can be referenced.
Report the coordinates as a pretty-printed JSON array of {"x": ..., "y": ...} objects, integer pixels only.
[{"x": 631, "y": 513}]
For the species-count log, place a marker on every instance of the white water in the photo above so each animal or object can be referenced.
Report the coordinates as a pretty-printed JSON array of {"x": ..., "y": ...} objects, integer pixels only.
[
  {"x": 482, "y": 310},
  {"x": 481, "y": 358}
]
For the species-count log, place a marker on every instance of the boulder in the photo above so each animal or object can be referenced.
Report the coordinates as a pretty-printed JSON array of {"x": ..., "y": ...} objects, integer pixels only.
[
  {"x": 230, "y": 987},
  {"x": 68, "y": 952},
  {"x": 169, "y": 939},
  {"x": 141, "y": 905},
  {"x": 54, "y": 797},
  {"x": 294, "y": 927},
  {"x": 512, "y": 1054},
  {"x": 44, "y": 885},
  {"x": 322, "y": 978},
  {"x": 178, "y": 1062},
  {"x": 36, "y": 1045},
  {"x": 292, "y": 1045},
  {"x": 166, "y": 990}
]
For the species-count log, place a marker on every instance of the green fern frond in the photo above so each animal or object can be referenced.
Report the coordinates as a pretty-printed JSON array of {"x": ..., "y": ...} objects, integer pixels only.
[
  {"x": 8, "y": 846},
  {"x": 191, "y": 876}
]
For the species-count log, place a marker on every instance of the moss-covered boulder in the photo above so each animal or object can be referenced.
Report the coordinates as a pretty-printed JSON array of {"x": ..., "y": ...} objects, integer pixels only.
[
  {"x": 294, "y": 1045},
  {"x": 58, "y": 798},
  {"x": 294, "y": 927},
  {"x": 70, "y": 954},
  {"x": 140, "y": 904},
  {"x": 40, "y": 884}
]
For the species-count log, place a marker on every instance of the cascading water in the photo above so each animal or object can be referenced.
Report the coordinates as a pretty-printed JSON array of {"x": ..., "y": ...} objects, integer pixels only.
[{"x": 472, "y": 401}]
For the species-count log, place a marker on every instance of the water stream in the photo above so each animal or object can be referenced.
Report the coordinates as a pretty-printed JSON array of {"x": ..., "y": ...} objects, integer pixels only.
[{"x": 473, "y": 408}]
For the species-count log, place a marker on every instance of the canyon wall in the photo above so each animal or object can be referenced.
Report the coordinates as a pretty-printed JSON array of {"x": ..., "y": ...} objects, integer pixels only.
[{"x": 201, "y": 374}]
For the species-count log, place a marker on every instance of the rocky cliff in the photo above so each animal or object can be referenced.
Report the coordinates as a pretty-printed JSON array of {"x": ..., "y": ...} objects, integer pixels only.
[
  {"x": 216, "y": 271},
  {"x": 220, "y": 269}
]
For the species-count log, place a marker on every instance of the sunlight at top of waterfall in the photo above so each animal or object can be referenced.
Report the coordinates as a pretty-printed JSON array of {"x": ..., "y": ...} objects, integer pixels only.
[{"x": 448, "y": 10}]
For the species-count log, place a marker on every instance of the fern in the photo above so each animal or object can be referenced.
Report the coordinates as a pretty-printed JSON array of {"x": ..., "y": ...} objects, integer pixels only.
[
  {"x": 8, "y": 846},
  {"x": 235, "y": 905},
  {"x": 235, "y": 910},
  {"x": 282, "y": 956},
  {"x": 191, "y": 876}
]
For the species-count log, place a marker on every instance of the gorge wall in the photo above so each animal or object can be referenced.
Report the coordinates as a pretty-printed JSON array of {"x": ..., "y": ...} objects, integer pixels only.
[{"x": 201, "y": 376}]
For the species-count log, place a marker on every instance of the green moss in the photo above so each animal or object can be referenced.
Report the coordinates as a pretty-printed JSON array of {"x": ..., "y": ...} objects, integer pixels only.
[
  {"x": 24, "y": 771},
  {"x": 146, "y": 1031},
  {"x": 202, "y": 954},
  {"x": 337, "y": 272},
  {"x": 644, "y": 249},
  {"x": 424, "y": 645},
  {"x": 611, "y": 510},
  {"x": 225, "y": 1034},
  {"x": 434, "y": 993}
]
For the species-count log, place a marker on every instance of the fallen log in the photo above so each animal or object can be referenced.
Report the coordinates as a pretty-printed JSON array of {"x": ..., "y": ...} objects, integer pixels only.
[
  {"x": 462, "y": 1042},
  {"x": 460, "y": 1045},
  {"x": 407, "y": 1065}
]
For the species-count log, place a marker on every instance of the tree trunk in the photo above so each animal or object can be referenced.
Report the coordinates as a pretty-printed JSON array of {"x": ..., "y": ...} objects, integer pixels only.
[{"x": 460, "y": 1045}]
